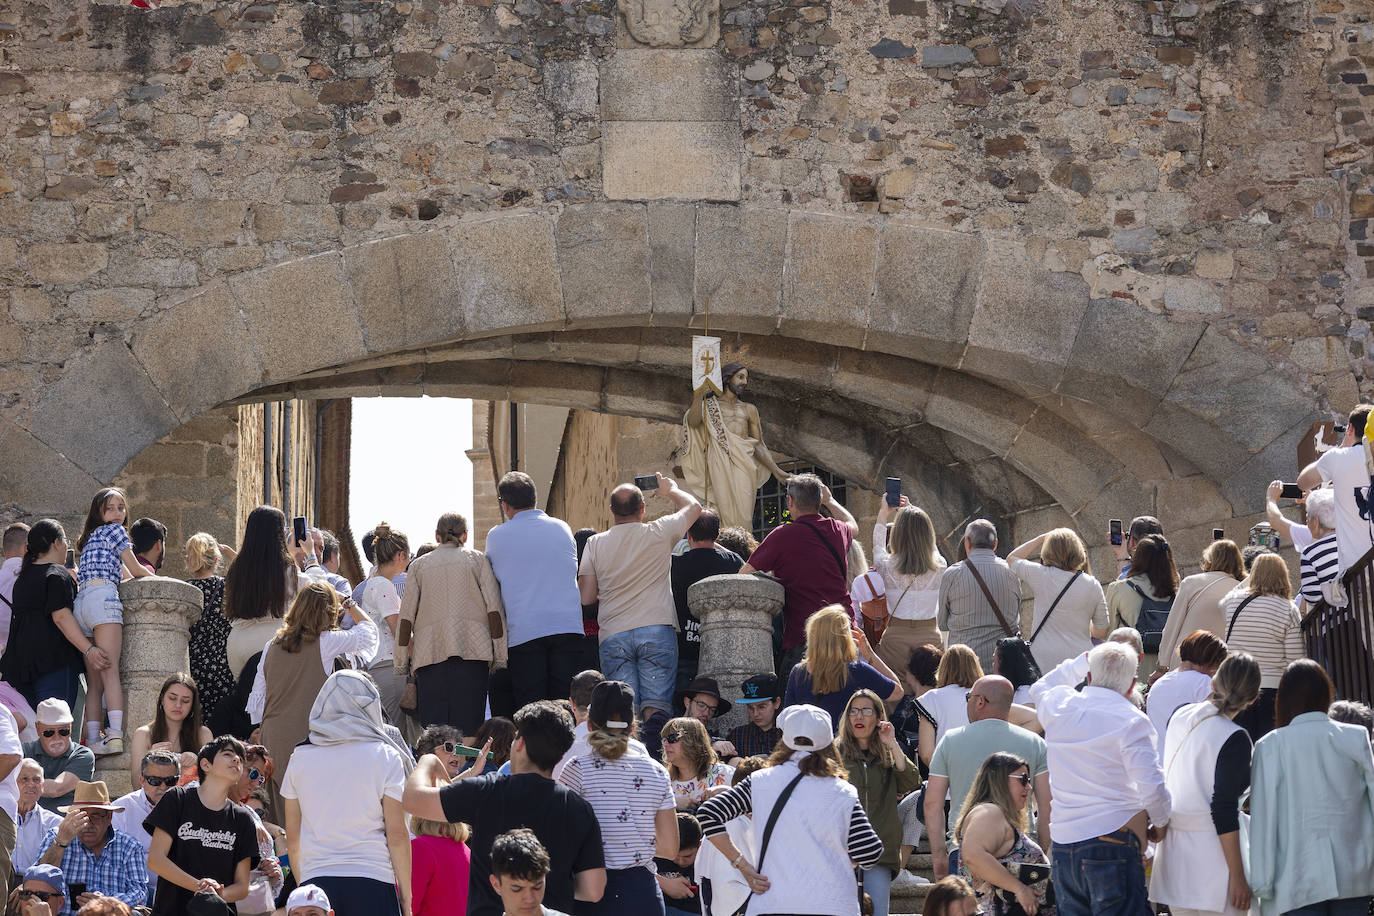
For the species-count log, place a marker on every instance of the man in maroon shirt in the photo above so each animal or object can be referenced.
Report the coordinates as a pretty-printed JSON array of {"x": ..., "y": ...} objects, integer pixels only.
[{"x": 808, "y": 557}]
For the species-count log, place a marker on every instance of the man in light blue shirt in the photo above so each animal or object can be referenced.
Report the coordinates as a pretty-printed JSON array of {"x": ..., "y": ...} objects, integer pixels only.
[{"x": 535, "y": 560}]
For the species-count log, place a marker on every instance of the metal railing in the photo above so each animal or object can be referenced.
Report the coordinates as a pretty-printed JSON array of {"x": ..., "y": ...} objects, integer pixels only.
[{"x": 1341, "y": 639}]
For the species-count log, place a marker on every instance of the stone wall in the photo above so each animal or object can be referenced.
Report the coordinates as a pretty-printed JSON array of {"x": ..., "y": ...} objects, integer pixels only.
[{"x": 1099, "y": 256}]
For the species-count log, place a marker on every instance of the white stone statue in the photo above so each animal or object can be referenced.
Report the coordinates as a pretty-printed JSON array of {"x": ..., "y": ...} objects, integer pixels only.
[{"x": 723, "y": 456}]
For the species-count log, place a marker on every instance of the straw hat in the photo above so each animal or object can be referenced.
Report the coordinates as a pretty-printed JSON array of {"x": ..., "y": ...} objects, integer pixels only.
[{"x": 91, "y": 795}]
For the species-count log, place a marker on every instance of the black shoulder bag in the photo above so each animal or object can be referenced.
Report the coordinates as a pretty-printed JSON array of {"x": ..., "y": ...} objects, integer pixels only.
[
  {"x": 1234, "y": 617},
  {"x": 1053, "y": 605},
  {"x": 772, "y": 822}
]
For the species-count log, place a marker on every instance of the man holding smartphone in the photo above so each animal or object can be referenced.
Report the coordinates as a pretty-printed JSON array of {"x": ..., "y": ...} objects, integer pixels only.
[{"x": 1346, "y": 470}]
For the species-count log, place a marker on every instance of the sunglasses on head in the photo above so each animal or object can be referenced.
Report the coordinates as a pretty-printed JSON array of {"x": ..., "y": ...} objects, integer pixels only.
[
  {"x": 49, "y": 732},
  {"x": 26, "y": 894},
  {"x": 156, "y": 781},
  {"x": 671, "y": 739}
]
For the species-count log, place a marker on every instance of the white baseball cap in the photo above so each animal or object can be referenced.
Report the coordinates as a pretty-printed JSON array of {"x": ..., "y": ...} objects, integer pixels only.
[
  {"x": 806, "y": 728},
  {"x": 307, "y": 895},
  {"x": 53, "y": 711}
]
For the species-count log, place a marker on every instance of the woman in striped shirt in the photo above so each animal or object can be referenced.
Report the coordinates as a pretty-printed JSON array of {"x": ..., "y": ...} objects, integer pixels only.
[
  {"x": 801, "y": 866},
  {"x": 1262, "y": 620},
  {"x": 1319, "y": 561},
  {"x": 633, "y": 801}
]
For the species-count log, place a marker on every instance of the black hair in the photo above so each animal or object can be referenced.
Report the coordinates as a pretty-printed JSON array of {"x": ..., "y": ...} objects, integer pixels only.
[
  {"x": 519, "y": 854},
  {"x": 145, "y": 533},
  {"x": 705, "y": 528},
  {"x": 42, "y": 536},
  {"x": 580, "y": 537},
  {"x": 547, "y": 730},
  {"x": 516, "y": 490},
  {"x": 255, "y": 583},
  {"x": 924, "y": 662},
  {"x": 214, "y": 747},
  {"x": 434, "y": 736},
  {"x": 1015, "y": 662},
  {"x": 1304, "y": 687},
  {"x": 368, "y": 540},
  {"x": 688, "y": 831}
]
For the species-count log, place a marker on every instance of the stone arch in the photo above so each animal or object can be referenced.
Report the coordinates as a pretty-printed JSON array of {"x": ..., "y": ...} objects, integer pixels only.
[{"x": 939, "y": 348}]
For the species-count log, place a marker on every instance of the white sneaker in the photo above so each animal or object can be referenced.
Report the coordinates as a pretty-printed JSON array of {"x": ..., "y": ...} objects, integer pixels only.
[
  {"x": 104, "y": 747},
  {"x": 907, "y": 879}
]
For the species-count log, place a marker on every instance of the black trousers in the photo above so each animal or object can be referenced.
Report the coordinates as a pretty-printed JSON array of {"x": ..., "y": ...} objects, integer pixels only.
[
  {"x": 543, "y": 668},
  {"x": 453, "y": 692}
]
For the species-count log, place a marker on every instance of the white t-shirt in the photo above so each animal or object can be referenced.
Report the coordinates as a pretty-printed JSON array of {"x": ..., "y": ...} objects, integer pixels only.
[
  {"x": 342, "y": 831},
  {"x": 10, "y": 744},
  {"x": 381, "y": 600},
  {"x": 948, "y": 706},
  {"x": 1345, "y": 470}
]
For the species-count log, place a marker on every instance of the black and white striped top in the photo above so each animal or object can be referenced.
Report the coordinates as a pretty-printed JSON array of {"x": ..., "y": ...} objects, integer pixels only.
[{"x": 1318, "y": 564}]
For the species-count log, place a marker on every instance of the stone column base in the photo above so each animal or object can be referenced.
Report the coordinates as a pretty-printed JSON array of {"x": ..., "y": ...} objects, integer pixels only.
[{"x": 736, "y": 614}]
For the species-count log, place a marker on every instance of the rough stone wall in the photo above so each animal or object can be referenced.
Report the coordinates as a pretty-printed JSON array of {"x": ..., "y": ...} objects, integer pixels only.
[{"x": 1195, "y": 161}]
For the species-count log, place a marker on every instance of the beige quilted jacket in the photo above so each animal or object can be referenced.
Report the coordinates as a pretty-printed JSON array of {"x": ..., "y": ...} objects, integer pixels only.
[{"x": 448, "y": 594}]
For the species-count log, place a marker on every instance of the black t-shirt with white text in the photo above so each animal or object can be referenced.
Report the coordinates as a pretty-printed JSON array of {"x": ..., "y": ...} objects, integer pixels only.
[
  {"x": 205, "y": 843},
  {"x": 562, "y": 820},
  {"x": 688, "y": 569}
]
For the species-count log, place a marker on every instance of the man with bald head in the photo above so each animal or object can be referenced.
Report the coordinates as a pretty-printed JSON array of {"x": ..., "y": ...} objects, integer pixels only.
[
  {"x": 962, "y": 751},
  {"x": 627, "y": 570}
]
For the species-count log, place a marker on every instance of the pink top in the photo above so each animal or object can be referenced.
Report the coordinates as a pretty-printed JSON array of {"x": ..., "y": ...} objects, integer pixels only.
[{"x": 438, "y": 876}]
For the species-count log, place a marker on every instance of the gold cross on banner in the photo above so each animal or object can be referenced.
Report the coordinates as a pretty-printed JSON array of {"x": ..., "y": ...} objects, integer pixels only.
[{"x": 708, "y": 362}]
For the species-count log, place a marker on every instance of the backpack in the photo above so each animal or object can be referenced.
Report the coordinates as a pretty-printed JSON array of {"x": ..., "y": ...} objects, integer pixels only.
[{"x": 1154, "y": 614}]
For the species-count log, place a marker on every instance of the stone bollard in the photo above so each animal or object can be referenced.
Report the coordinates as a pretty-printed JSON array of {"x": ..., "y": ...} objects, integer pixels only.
[
  {"x": 736, "y": 614},
  {"x": 158, "y": 613}
]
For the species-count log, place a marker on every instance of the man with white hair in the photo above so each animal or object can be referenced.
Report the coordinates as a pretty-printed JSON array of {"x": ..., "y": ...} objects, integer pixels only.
[
  {"x": 980, "y": 597},
  {"x": 1319, "y": 561},
  {"x": 1105, "y": 779}
]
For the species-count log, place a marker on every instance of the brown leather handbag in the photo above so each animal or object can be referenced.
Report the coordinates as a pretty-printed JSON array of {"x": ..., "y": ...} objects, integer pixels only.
[{"x": 874, "y": 613}]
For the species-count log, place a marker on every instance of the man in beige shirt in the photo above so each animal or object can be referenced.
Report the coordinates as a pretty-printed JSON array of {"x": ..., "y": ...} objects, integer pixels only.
[{"x": 627, "y": 570}]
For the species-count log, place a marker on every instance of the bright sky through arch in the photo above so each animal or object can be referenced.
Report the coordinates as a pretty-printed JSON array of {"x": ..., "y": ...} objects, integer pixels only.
[{"x": 409, "y": 464}]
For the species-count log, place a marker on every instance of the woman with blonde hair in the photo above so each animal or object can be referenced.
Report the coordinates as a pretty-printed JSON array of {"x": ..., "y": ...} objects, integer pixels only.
[
  {"x": 1198, "y": 603},
  {"x": 1262, "y": 619},
  {"x": 832, "y": 671},
  {"x": 992, "y": 839},
  {"x": 439, "y": 866},
  {"x": 209, "y": 641},
  {"x": 867, "y": 745},
  {"x": 630, "y": 794},
  {"x": 1198, "y": 869},
  {"x": 288, "y": 681},
  {"x": 911, "y": 569},
  {"x": 946, "y": 707},
  {"x": 694, "y": 769},
  {"x": 452, "y": 629},
  {"x": 1070, "y": 606}
]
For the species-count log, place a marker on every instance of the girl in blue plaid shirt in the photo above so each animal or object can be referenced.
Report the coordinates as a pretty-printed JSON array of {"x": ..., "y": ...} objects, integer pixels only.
[{"x": 107, "y": 557}]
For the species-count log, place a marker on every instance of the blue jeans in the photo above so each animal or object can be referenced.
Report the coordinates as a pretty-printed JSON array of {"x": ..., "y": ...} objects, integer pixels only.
[
  {"x": 646, "y": 659},
  {"x": 60, "y": 683},
  {"x": 1350, "y": 906},
  {"x": 1103, "y": 876},
  {"x": 878, "y": 885}
]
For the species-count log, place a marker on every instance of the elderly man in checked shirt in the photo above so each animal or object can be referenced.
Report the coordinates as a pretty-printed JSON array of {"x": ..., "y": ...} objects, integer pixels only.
[{"x": 90, "y": 851}]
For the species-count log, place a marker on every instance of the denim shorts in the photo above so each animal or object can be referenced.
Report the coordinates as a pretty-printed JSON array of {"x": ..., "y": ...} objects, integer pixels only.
[{"x": 97, "y": 602}]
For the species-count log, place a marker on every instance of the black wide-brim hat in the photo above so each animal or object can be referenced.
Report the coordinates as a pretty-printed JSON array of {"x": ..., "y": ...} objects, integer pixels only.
[{"x": 708, "y": 686}]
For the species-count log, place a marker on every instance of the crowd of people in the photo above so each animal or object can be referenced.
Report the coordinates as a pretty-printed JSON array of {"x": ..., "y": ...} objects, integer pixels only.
[{"x": 525, "y": 729}]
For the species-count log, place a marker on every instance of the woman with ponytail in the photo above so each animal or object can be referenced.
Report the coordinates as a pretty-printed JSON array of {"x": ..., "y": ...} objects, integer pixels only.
[
  {"x": 46, "y": 646},
  {"x": 383, "y": 604},
  {"x": 633, "y": 801},
  {"x": 1197, "y": 867}
]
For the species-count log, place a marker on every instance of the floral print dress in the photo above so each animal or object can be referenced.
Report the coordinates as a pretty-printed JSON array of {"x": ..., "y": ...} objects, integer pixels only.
[
  {"x": 1024, "y": 850},
  {"x": 209, "y": 639},
  {"x": 719, "y": 774}
]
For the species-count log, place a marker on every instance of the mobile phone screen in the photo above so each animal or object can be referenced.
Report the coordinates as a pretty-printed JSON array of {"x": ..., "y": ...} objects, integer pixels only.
[
  {"x": 894, "y": 491},
  {"x": 71, "y": 558},
  {"x": 1115, "y": 531},
  {"x": 1291, "y": 491},
  {"x": 647, "y": 482},
  {"x": 298, "y": 529}
]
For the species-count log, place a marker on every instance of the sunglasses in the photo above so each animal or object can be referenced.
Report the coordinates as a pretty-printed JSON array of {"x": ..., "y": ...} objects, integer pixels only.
[
  {"x": 25, "y": 894},
  {"x": 257, "y": 776},
  {"x": 49, "y": 732},
  {"x": 155, "y": 781},
  {"x": 671, "y": 739},
  {"x": 450, "y": 747},
  {"x": 1023, "y": 778}
]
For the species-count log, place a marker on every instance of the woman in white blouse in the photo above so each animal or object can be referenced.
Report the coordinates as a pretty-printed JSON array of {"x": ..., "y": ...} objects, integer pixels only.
[
  {"x": 911, "y": 569},
  {"x": 382, "y": 603},
  {"x": 284, "y": 688},
  {"x": 1070, "y": 605}
]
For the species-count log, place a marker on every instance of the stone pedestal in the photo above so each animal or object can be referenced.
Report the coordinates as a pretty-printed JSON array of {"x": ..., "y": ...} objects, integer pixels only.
[
  {"x": 158, "y": 614},
  {"x": 736, "y": 614}
]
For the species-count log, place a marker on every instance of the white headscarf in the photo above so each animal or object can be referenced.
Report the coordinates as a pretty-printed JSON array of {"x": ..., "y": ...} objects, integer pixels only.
[{"x": 349, "y": 709}]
